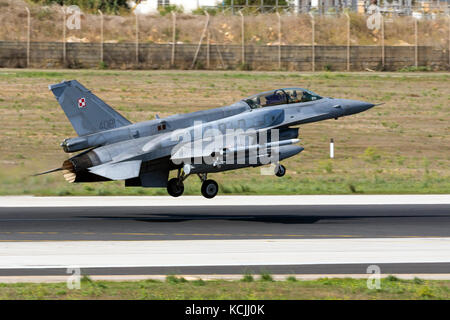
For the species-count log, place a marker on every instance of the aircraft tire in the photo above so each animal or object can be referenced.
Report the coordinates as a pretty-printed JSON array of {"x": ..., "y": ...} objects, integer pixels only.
[
  {"x": 281, "y": 171},
  {"x": 209, "y": 189},
  {"x": 175, "y": 188}
]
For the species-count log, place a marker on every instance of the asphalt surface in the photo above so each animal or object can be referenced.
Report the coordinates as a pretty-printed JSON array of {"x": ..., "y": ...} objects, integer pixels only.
[
  {"x": 223, "y": 222},
  {"x": 227, "y": 222},
  {"x": 356, "y": 268}
]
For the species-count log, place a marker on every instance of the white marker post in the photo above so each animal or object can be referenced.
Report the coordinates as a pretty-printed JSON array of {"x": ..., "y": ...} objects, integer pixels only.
[{"x": 331, "y": 148}]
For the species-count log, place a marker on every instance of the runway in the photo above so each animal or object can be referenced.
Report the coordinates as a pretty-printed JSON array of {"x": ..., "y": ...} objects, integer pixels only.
[
  {"x": 226, "y": 217},
  {"x": 229, "y": 235}
]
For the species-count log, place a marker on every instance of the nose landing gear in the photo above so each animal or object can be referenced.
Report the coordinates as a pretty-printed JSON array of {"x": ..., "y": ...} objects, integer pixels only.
[{"x": 280, "y": 170}]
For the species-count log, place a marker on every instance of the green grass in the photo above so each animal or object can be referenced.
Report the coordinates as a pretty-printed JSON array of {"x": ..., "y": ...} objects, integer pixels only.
[
  {"x": 179, "y": 288},
  {"x": 247, "y": 278},
  {"x": 377, "y": 183},
  {"x": 398, "y": 147},
  {"x": 415, "y": 69}
]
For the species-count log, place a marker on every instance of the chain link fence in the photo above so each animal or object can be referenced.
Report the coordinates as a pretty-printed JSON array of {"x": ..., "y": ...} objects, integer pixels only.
[{"x": 280, "y": 40}]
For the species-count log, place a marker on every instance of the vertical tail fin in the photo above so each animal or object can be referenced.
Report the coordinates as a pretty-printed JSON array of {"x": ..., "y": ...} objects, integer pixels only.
[{"x": 86, "y": 112}]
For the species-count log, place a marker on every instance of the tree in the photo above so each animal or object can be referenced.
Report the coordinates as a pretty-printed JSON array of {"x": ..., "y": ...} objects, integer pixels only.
[{"x": 109, "y": 6}]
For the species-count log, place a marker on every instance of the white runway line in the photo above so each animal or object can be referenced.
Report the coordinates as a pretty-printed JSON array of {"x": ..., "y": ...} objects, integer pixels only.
[
  {"x": 276, "y": 277},
  {"x": 84, "y": 254},
  {"x": 30, "y": 201}
]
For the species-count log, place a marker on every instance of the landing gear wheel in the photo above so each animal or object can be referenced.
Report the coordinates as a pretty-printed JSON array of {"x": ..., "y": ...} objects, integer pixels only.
[
  {"x": 281, "y": 171},
  {"x": 175, "y": 187},
  {"x": 209, "y": 188}
]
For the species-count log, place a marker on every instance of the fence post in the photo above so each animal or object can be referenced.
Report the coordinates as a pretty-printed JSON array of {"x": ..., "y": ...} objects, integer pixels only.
[
  {"x": 348, "y": 40},
  {"x": 201, "y": 39},
  {"x": 64, "y": 35},
  {"x": 101, "y": 35},
  {"x": 28, "y": 35},
  {"x": 137, "y": 38},
  {"x": 448, "y": 49},
  {"x": 279, "y": 40},
  {"x": 382, "y": 41},
  {"x": 208, "y": 36},
  {"x": 313, "y": 53},
  {"x": 174, "y": 37},
  {"x": 416, "y": 54},
  {"x": 242, "y": 37}
]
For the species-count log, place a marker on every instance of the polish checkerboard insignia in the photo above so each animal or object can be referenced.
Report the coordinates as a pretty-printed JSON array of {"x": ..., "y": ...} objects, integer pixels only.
[{"x": 82, "y": 103}]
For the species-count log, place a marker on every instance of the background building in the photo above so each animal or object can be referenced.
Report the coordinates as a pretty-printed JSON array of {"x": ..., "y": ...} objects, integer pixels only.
[{"x": 151, "y": 6}]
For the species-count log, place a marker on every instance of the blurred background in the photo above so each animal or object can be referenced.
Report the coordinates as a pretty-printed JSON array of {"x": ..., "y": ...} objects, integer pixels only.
[
  {"x": 206, "y": 34},
  {"x": 165, "y": 57}
]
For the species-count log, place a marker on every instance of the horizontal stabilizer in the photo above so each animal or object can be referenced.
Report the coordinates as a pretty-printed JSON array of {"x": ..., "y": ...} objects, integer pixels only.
[{"x": 118, "y": 170}]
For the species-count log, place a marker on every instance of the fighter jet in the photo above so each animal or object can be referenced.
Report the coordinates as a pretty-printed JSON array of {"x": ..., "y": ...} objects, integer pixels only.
[{"x": 256, "y": 131}]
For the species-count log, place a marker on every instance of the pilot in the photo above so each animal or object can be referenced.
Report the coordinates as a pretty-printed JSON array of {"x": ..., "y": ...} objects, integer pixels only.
[
  {"x": 294, "y": 97},
  {"x": 258, "y": 102},
  {"x": 273, "y": 99},
  {"x": 307, "y": 97}
]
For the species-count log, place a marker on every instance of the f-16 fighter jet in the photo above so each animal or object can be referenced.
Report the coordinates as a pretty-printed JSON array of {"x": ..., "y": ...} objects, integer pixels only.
[{"x": 258, "y": 130}]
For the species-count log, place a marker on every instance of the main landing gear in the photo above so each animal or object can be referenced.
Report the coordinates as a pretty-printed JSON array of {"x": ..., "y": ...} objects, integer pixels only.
[
  {"x": 175, "y": 186},
  {"x": 210, "y": 188}
]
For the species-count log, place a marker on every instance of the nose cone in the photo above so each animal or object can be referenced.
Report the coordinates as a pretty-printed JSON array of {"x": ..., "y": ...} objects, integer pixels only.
[{"x": 355, "y": 106}]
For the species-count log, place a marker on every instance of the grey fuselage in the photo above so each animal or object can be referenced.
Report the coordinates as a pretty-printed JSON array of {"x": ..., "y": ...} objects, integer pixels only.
[{"x": 153, "y": 140}]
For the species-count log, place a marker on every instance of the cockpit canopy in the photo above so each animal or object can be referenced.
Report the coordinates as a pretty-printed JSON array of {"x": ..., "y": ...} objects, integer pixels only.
[{"x": 281, "y": 96}]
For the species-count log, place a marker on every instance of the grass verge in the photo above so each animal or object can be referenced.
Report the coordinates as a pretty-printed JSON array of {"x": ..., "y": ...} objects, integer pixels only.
[
  {"x": 401, "y": 146},
  {"x": 260, "y": 288}
]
